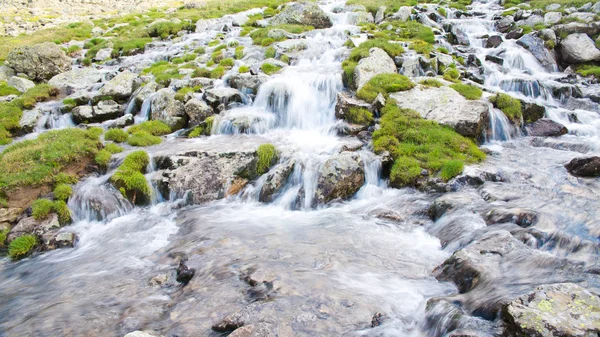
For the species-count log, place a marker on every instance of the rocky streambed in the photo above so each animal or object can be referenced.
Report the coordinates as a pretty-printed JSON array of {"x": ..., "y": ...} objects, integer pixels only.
[{"x": 308, "y": 170}]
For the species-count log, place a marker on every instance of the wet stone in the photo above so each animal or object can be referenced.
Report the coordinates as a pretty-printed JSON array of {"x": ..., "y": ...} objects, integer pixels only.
[{"x": 184, "y": 273}]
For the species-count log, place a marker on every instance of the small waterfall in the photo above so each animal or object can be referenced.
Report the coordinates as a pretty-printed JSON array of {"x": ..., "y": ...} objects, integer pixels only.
[
  {"x": 373, "y": 184},
  {"x": 156, "y": 196},
  {"x": 500, "y": 128},
  {"x": 144, "y": 113},
  {"x": 94, "y": 199}
]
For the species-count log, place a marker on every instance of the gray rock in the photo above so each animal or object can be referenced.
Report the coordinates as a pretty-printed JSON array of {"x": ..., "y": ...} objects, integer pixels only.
[
  {"x": 6, "y": 73},
  {"x": 585, "y": 17},
  {"x": 197, "y": 111},
  {"x": 39, "y": 62},
  {"x": 548, "y": 35},
  {"x": 358, "y": 18},
  {"x": 340, "y": 177},
  {"x": 493, "y": 41},
  {"x": 345, "y": 102},
  {"x": 503, "y": 25},
  {"x": 255, "y": 330},
  {"x": 596, "y": 8},
  {"x": 59, "y": 240},
  {"x": 77, "y": 79},
  {"x": 563, "y": 309},
  {"x": 536, "y": 47},
  {"x": 105, "y": 110},
  {"x": 247, "y": 82},
  {"x": 103, "y": 54},
  {"x": 403, "y": 14},
  {"x": 446, "y": 106},
  {"x": 520, "y": 216},
  {"x": 166, "y": 108},
  {"x": 552, "y": 7},
  {"x": 531, "y": 21},
  {"x": 21, "y": 84},
  {"x": 10, "y": 214},
  {"x": 448, "y": 203},
  {"x": 551, "y": 18},
  {"x": 579, "y": 48},
  {"x": 121, "y": 86},
  {"x": 30, "y": 225},
  {"x": 380, "y": 15},
  {"x": 29, "y": 120},
  {"x": 577, "y": 27},
  {"x": 145, "y": 92},
  {"x": 379, "y": 62},
  {"x": 218, "y": 96},
  {"x": 546, "y": 128},
  {"x": 308, "y": 13},
  {"x": 275, "y": 180},
  {"x": 121, "y": 122},
  {"x": 83, "y": 114},
  {"x": 141, "y": 334},
  {"x": 584, "y": 167}
]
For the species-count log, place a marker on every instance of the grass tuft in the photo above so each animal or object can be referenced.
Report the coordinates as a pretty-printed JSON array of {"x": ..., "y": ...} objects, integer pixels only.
[
  {"x": 41, "y": 208},
  {"x": 267, "y": 155},
  {"x": 130, "y": 179},
  {"x": 63, "y": 192},
  {"x": 116, "y": 135},
  {"x": 511, "y": 107},
  {"x": 143, "y": 138},
  {"x": 154, "y": 127},
  {"x": 22, "y": 246},
  {"x": 384, "y": 84},
  {"x": 360, "y": 116},
  {"x": 469, "y": 92},
  {"x": 269, "y": 68}
]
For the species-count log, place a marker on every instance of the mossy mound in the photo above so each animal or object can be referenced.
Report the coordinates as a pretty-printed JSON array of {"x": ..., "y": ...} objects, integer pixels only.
[
  {"x": 510, "y": 106},
  {"x": 22, "y": 246},
  {"x": 384, "y": 84},
  {"x": 130, "y": 179},
  {"x": 469, "y": 92},
  {"x": 267, "y": 156}
]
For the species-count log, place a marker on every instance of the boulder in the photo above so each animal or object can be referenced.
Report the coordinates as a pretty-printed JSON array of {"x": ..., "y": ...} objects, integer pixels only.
[
  {"x": 446, "y": 106},
  {"x": 121, "y": 122},
  {"x": 532, "y": 111},
  {"x": 6, "y": 73},
  {"x": 218, "y": 96},
  {"x": 77, "y": 79},
  {"x": 10, "y": 214},
  {"x": 307, "y": 13},
  {"x": 551, "y": 18},
  {"x": 164, "y": 107},
  {"x": 59, "y": 240},
  {"x": 359, "y": 18},
  {"x": 535, "y": 45},
  {"x": 105, "y": 110},
  {"x": 546, "y": 128},
  {"x": 345, "y": 102},
  {"x": 584, "y": 167},
  {"x": 103, "y": 54},
  {"x": 505, "y": 24},
  {"x": 552, "y": 7},
  {"x": 577, "y": 27},
  {"x": 29, "y": 120},
  {"x": 519, "y": 216},
  {"x": 340, "y": 177},
  {"x": 582, "y": 17},
  {"x": 596, "y": 8},
  {"x": 493, "y": 41},
  {"x": 39, "y": 62},
  {"x": 30, "y": 225},
  {"x": 197, "y": 111},
  {"x": 21, "y": 84},
  {"x": 140, "y": 334},
  {"x": 449, "y": 202},
  {"x": 563, "y": 309},
  {"x": 379, "y": 62},
  {"x": 579, "y": 48},
  {"x": 380, "y": 15},
  {"x": 121, "y": 86},
  {"x": 247, "y": 83},
  {"x": 275, "y": 180},
  {"x": 403, "y": 14}
]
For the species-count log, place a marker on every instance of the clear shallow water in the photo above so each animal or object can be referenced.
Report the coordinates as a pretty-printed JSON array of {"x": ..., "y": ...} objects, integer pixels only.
[{"x": 329, "y": 269}]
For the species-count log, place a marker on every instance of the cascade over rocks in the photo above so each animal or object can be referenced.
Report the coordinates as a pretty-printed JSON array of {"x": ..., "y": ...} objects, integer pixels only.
[
  {"x": 303, "y": 13},
  {"x": 340, "y": 177},
  {"x": 217, "y": 96},
  {"x": 39, "y": 62},
  {"x": 446, "y": 106},
  {"x": 275, "y": 180},
  {"x": 244, "y": 82},
  {"x": 536, "y": 46},
  {"x": 379, "y": 62}
]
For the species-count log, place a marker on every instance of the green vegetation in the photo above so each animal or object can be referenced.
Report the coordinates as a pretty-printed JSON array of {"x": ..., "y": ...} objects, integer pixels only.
[
  {"x": 130, "y": 180},
  {"x": 443, "y": 50},
  {"x": 62, "y": 192},
  {"x": 469, "y": 92},
  {"x": 421, "y": 47},
  {"x": 527, "y": 29},
  {"x": 460, "y": 4},
  {"x": 218, "y": 72},
  {"x": 239, "y": 52},
  {"x": 384, "y": 84},
  {"x": 6, "y": 90},
  {"x": 103, "y": 158},
  {"x": 204, "y": 129},
  {"x": 451, "y": 169},
  {"x": 270, "y": 53},
  {"x": 392, "y": 5},
  {"x": 163, "y": 72},
  {"x": 22, "y": 246},
  {"x": 166, "y": 29},
  {"x": 431, "y": 82},
  {"x": 228, "y": 62},
  {"x": 362, "y": 51},
  {"x": 200, "y": 51},
  {"x": 442, "y": 12},
  {"x": 269, "y": 68},
  {"x": 261, "y": 36},
  {"x": 408, "y": 30},
  {"x": 62, "y": 210},
  {"x": 69, "y": 104},
  {"x": 588, "y": 70},
  {"x": 113, "y": 148},
  {"x": 42, "y": 160},
  {"x": 3, "y": 235},
  {"x": 181, "y": 93},
  {"x": 243, "y": 69},
  {"x": 510, "y": 106},
  {"x": 451, "y": 75},
  {"x": 217, "y": 56},
  {"x": 116, "y": 135},
  {"x": 184, "y": 58},
  {"x": 154, "y": 127},
  {"x": 41, "y": 208},
  {"x": 285, "y": 58},
  {"x": 267, "y": 155},
  {"x": 359, "y": 116},
  {"x": 71, "y": 51},
  {"x": 201, "y": 72},
  {"x": 143, "y": 138},
  {"x": 416, "y": 144}
]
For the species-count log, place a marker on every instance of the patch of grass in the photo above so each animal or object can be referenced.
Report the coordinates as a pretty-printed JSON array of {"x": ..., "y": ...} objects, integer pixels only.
[
  {"x": 113, "y": 148},
  {"x": 86, "y": 62},
  {"x": 22, "y": 246},
  {"x": 243, "y": 69},
  {"x": 270, "y": 53},
  {"x": 154, "y": 127},
  {"x": 42, "y": 160},
  {"x": 460, "y": 4},
  {"x": 239, "y": 52},
  {"x": 408, "y": 30},
  {"x": 3, "y": 235},
  {"x": 69, "y": 104},
  {"x": 451, "y": 75},
  {"x": 285, "y": 58},
  {"x": 181, "y": 93},
  {"x": 217, "y": 56},
  {"x": 163, "y": 72},
  {"x": 392, "y": 5},
  {"x": 416, "y": 144},
  {"x": 511, "y": 107},
  {"x": 431, "y": 82},
  {"x": 204, "y": 129},
  {"x": 442, "y": 12},
  {"x": 103, "y": 158},
  {"x": 469, "y": 92},
  {"x": 41, "y": 208},
  {"x": 451, "y": 169},
  {"x": 200, "y": 51},
  {"x": 228, "y": 62},
  {"x": 143, "y": 138},
  {"x": 116, "y": 135},
  {"x": 384, "y": 84},
  {"x": 201, "y": 72},
  {"x": 443, "y": 50},
  {"x": 588, "y": 70},
  {"x": 62, "y": 210},
  {"x": 527, "y": 29},
  {"x": 421, "y": 47},
  {"x": 269, "y": 68},
  {"x": 6, "y": 90},
  {"x": 166, "y": 29},
  {"x": 62, "y": 192},
  {"x": 267, "y": 155},
  {"x": 360, "y": 116},
  {"x": 218, "y": 72},
  {"x": 130, "y": 180},
  {"x": 362, "y": 51}
]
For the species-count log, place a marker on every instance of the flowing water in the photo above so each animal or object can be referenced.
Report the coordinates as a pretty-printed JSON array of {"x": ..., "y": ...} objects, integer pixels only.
[{"x": 307, "y": 271}]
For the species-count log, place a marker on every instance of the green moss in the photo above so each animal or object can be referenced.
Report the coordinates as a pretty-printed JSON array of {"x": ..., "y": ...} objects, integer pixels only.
[
  {"x": 239, "y": 52},
  {"x": 94, "y": 132},
  {"x": 269, "y": 69},
  {"x": 267, "y": 42},
  {"x": 285, "y": 58},
  {"x": 442, "y": 12},
  {"x": 69, "y": 104},
  {"x": 154, "y": 127},
  {"x": 166, "y": 29},
  {"x": 181, "y": 93},
  {"x": 6, "y": 90},
  {"x": 113, "y": 148},
  {"x": 62, "y": 211},
  {"x": 228, "y": 62},
  {"x": 362, "y": 51},
  {"x": 469, "y": 92},
  {"x": 588, "y": 70},
  {"x": 22, "y": 246},
  {"x": 243, "y": 69},
  {"x": 431, "y": 82},
  {"x": 163, "y": 72},
  {"x": 214, "y": 43},
  {"x": 527, "y": 29},
  {"x": 550, "y": 44},
  {"x": 270, "y": 53},
  {"x": 408, "y": 30},
  {"x": 201, "y": 72},
  {"x": 116, "y": 135},
  {"x": 451, "y": 169},
  {"x": 143, "y": 138},
  {"x": 210, "y": 63},
  {"x": 269, "y": 12},
  {"x": 421, "y": 47},
  {"x": 417, "y": 144},
  {"x": 3, "y": 235},
  {"x": 200, "y": 51},
  {"x": 204, "y": 129},
  {"x": 443, "y": 50},
  {"x": 267, "y": 155},
  {"x": 359, "y": 116},
  {"x": 130, "y": 178},
  {"x": 509, "y": 12},
  {"x": 384, "y": 84},
  {"x": 451, "y": 74},
  {"x": 42, "y": 160},
  {"x": 348, "y": 72},
  {"x": 127, "y": 47},
  {"x": 233, "y": 44},
  {"x": 41, "y": 208},
  {"x": 510, "y": 106},
  {"x": 62, "y": 192},
  {"x": 103, "y": 158},
  {"x": 218, "y": 72},
  {"x": 217, "y": 56}
]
